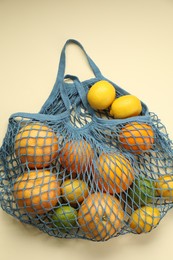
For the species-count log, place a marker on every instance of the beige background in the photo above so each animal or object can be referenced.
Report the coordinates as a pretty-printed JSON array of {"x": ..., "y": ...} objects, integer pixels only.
[{"x": 131, "y": 41}]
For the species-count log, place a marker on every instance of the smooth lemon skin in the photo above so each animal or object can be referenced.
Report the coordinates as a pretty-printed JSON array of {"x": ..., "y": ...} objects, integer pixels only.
[
  {"x": 101, "y": 95},
  {"x": 126, "y": 106},
  {"x": 144, "y": 219}
]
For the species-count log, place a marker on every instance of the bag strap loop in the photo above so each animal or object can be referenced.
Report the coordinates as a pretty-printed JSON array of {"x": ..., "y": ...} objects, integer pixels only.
[
  {"x": 62, "y": 64},
  {"x": 81, "y": 91},
  {"x": 58, "y": 86}
]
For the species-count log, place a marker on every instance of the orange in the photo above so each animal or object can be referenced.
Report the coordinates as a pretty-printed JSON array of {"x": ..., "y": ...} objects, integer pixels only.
[
  {"x": 114, "y": 173},
  {"x": 100, "y": 216},
  {"x": 36, "y": 145},
  {"x": 76, "y": 156},
  {"x": 74, "y": 191},
  {"x": 164, "y": 186},
  {"x": 36, "y": 192},
  {"x": 137, "y": 137}
]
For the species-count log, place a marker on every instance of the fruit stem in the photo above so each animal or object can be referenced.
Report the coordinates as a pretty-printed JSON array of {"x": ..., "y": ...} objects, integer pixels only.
[{"x": 104, "y": 217}]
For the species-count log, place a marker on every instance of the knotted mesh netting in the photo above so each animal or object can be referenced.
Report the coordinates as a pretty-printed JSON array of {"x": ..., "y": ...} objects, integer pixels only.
[{"x": 74, "y": 172}]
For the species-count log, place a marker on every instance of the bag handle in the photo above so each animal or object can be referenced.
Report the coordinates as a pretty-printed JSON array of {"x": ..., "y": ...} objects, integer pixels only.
[
  {"x": 58, "y": 86},
  {"x": 62, "y": 64},
  {"x": 81, "y": 91}
]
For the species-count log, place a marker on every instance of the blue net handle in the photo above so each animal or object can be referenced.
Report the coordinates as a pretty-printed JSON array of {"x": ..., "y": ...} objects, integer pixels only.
[
  {"x": 62, "y": 64},
  {"x": 81, "y": 91},
  {"x": 58, "y": 86}
]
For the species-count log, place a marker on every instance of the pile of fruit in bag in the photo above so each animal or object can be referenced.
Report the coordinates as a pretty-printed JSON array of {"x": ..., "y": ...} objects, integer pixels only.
[{"x": 94, "y": 182}]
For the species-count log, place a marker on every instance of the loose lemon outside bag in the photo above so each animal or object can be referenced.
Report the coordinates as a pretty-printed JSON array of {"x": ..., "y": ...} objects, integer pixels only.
[{"x": 101, "y": 95}]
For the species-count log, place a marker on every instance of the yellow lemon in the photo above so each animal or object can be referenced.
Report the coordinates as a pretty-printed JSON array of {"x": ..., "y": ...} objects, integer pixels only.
[
  {"x": 101, "y": 95},
  {"x": 126, "y": 106},
  {"x": 164, "y": 186},
  {"x": 74, "y": 191},
  {"x": 144, "y": 219}
]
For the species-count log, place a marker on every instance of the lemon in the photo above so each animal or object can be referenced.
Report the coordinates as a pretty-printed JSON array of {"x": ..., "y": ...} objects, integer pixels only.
[
  {"x": 126, "y": 106},
  {"x": 74, "y": 191},
  {"x": 144, "y": 219},
  {"x": 101, "y": 95},
  {"x": 164, "y": 186},
  {"x": 65, "y": 217},
  {"x": 142, "y": 191}
]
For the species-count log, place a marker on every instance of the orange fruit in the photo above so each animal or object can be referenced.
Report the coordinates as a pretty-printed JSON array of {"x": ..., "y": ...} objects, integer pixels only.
[
  {"x": 74, "y": 191},
  {"x": 36, "y": 145},
  {"x": 37, "y": 191},
  {"x": 137, "y": 137},
  {"x": 100, "y": 216},
  {"x": 76, "y": 156},
  {"x": 114, "y": 173}
]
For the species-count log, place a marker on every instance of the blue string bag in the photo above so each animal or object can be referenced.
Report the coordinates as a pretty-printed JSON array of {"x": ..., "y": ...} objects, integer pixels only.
[{"x": 74, "y": 172}]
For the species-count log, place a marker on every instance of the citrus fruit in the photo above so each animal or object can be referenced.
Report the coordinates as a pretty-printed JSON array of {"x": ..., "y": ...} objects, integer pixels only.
[
  {"x": 76, "y": 156},
  {"x": 137, "y": 137},
  {"x": 101, "y": 95},
  {"x": 36, "y": 191},
  {"x": 74, "y": 191},
  {"x": 142, "y": 191},
  {"x": 65, "y": 217},
  {"x": 100, "y": 216},
  {"x": 114, "y": 173},
  {"x": 126, "y": 106},
  {"x": 144, "y": 219},
  {"x": 36, "y": 145},
  {"x": 164, "y": 186}
]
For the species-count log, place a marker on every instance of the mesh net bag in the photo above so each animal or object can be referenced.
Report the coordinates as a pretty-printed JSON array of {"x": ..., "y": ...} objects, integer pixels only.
[{"x": 75, "y": 172}]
